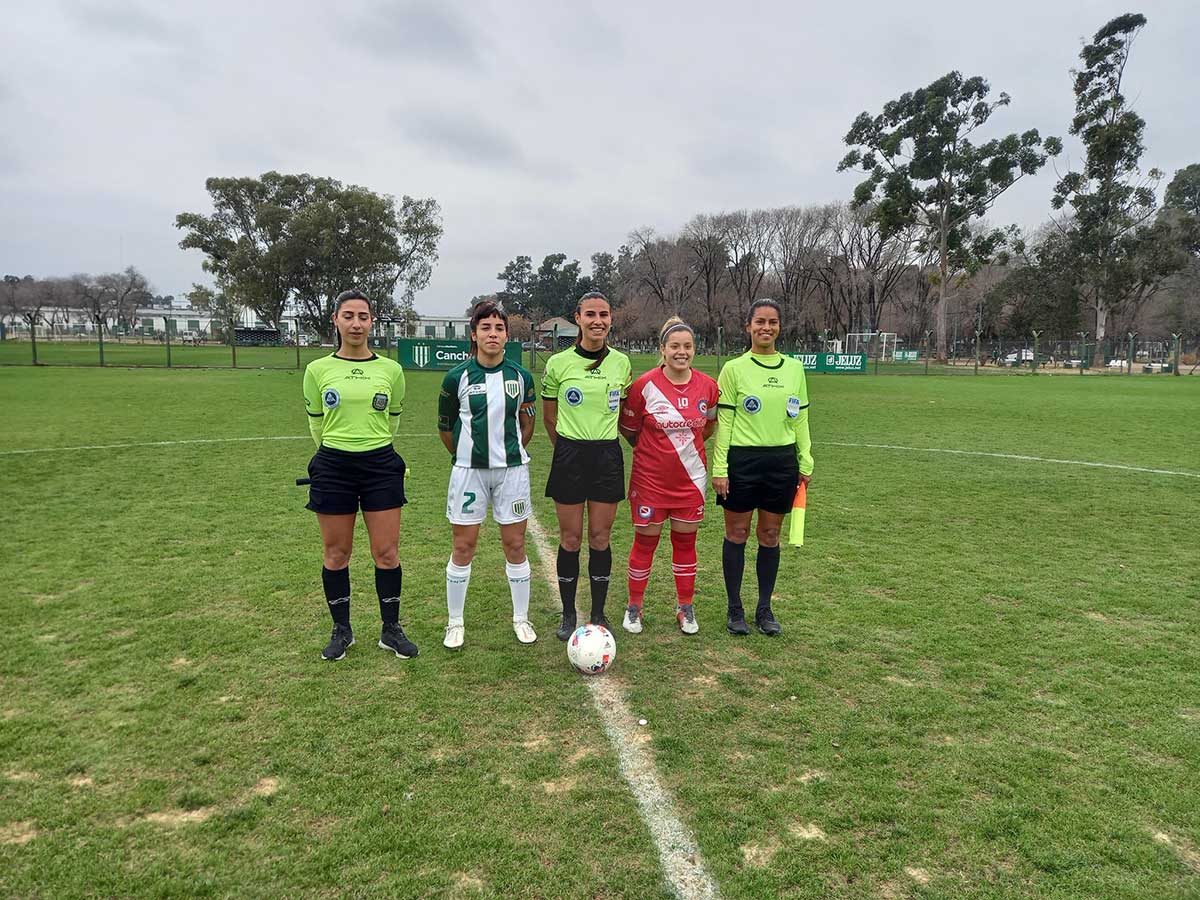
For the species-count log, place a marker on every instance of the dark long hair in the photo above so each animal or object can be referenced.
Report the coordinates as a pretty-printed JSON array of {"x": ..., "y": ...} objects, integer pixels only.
[
  {"x": 337, "y": 307},
  {"x": 764, "y": 302},
  {"x": 484, "y": 309},
  {"x": 604, "y": 351}
]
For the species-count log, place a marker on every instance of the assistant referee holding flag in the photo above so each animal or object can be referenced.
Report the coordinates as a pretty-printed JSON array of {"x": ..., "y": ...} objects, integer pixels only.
[
  {"x": 354, "y": 399},
  {"x": 763, "y": 451}
]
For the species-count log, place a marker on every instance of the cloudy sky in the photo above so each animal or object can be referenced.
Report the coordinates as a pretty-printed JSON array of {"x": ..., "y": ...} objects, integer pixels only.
[{"x": 538, "y": 126}]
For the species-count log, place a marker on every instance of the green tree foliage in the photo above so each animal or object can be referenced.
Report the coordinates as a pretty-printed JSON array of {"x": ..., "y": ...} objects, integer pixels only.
[
  {"x": 518, "y": 285},
  {"x": 556, "y": 285},
  {"x": 924, "y": 170},
  {"x": 279, "y": 237},
  {"x": 1183, "y": 193},
  {"x": 1120, "y": 254}
]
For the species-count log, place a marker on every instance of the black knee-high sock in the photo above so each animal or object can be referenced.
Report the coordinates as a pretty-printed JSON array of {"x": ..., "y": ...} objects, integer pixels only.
[
  {"x": 767, "y": 567},
  {"x": 337, "y": 593},
  {"x": 733, "y": 562},
  {"x": 568, "y": 579},
  {"x": 387, "y": 586},
  {"x": 599, "y": 570}
]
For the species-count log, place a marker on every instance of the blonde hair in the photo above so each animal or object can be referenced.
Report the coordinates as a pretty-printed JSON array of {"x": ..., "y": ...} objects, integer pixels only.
[{"x": 671, "y": 325}]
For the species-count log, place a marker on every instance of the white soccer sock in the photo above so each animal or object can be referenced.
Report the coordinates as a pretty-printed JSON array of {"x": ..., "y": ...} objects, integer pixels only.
[
  {"x": 518, "y": 586},
  {"x": 457, "y": 579}
]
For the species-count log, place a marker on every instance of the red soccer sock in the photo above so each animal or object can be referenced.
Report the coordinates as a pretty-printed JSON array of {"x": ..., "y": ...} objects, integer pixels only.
[
  {"x": 641, "y": 557},
  {"x": 683, "y": 564}
]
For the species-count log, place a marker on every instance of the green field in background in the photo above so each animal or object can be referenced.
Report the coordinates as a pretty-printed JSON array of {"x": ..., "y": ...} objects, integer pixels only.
[{"x": 988, "y": 683}]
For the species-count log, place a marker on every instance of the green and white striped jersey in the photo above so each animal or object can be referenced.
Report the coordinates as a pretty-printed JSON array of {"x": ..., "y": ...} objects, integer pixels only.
[{"x": 480, "y": 408}]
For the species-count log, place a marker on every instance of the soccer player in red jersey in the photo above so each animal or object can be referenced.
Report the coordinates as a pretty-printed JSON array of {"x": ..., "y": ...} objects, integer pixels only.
[{"x": 668, "y": 414}]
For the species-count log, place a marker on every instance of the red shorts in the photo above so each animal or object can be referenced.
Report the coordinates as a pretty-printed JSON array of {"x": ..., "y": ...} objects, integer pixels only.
[{"x": 656, "y": 515}]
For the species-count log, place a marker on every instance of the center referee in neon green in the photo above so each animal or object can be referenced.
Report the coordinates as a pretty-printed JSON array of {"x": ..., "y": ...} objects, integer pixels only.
[
  {"x": 354, "y": 400},
  {"x": 583, "y": 389},
  {"x": 763, "y": 452}
]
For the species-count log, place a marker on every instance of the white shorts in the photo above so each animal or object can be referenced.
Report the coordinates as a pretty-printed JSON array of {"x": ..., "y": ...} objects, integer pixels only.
[{"x": 473, "y": 490}]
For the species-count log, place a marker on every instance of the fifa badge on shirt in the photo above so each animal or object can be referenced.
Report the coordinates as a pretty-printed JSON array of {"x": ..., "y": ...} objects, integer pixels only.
[
  {"x": 614, "y": 400},
  {"x": 574, "y": 396},
  {"x": 379, "y": 402},
  {"x": 331, "y": 398},
  {"x": 751, "y": 404},
  {"x": 793, "y": 407}
]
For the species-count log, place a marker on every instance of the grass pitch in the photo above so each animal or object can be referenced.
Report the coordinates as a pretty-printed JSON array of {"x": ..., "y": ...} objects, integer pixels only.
[{"x": 988, "y": 684}]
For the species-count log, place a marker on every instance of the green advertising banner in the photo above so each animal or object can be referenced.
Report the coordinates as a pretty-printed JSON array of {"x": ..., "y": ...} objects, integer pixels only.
[
  {"x": 418, "y": 353},
  {"x": 907, "y": 355},
  {"x": 833, "y": 362}
]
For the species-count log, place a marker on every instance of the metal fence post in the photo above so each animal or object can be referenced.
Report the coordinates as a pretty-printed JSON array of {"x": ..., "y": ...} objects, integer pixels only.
[
  {"x": 1034, "y": 364},
  {"x": 168, "y": 333},
  {"x": 1132, "y": 334},
  {"x": 928, "y": 335},
  {"x": 1083, "y": 360},
  {"x": 1178, "y": 341},
  {"x": 101, "y": 345},
  {"x": 977, "y": 333},
  {"x": 720, "y": 344},
  {"x": 385, "y": 346}
]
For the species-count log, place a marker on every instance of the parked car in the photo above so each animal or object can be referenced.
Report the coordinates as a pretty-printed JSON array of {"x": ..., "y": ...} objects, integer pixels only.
[
  {"x": 190, "y": 337},
  {"x": 1019, "y": 356},
  {"x": 1116, "y": 364}
]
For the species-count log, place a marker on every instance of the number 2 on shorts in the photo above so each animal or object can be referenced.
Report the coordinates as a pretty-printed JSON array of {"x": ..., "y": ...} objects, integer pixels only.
[{"x": 470, "y": 499}]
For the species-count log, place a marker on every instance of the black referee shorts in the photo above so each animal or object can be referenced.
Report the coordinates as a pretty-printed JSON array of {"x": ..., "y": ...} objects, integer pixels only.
[
  {"x": 761, "y": 478},
  {"x": 586, "y": 470},
  {"x": 344, "y": 481}
]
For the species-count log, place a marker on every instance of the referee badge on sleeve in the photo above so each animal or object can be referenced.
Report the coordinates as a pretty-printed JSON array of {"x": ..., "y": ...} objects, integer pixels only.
[
  {"x": 614, "y": 400},
  {"x": 793, "y": 407},
  {"x": 379, "y": 402}
]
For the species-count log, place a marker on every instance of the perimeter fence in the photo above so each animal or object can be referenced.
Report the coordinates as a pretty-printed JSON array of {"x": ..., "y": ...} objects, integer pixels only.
[{"x": 1132, "y": 355}]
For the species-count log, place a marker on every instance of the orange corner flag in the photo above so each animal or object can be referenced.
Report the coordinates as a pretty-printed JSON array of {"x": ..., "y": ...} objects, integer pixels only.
[{"x": 796, "y": 537}]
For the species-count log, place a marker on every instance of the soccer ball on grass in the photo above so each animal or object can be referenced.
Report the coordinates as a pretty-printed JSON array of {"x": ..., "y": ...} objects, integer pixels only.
[{"x": 591, "y": 649}]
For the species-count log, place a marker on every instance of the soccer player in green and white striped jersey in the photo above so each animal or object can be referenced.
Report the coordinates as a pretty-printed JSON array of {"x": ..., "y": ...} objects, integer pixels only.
[{"x": 485, "y": 419}]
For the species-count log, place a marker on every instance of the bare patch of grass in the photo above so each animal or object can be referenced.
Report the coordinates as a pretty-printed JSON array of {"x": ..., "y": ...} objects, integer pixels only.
[
  {"x": 917, "y": 874},
  {"x": 900, "y": 680},
  {"x": 21, "y": 776},
  {"x": 807, "y": 831},
  {"x": 80, "y": 781},
  {"x": 1182, "y": 847},
  {"x": 562, "y": 785},
  {"x": 17, "y": 833},
  {"x": 758, "y": 855}
]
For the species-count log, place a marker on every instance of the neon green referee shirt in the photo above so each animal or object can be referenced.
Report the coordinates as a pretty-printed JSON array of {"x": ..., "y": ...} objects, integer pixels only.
[
  {"x": 353, "y": 404},
  {"x": 764, "y": 403},
  {"x": 589, "y": 403}
]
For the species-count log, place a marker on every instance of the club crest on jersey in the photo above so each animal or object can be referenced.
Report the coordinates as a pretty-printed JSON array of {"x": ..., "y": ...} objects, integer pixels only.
[
  {"x": 645, "y": 512},
  {"x": 379, "y": 402},
  {"x": 512, "y": 389},
  {"x": 793, "y": 407},
  {"x": 520, "y": 507},
  {"x": 574, "y": 396},
  {"x": 702, "y": 407},
  {"x": 751, "y": 404},
  {"x": 331, "y": 398},
  {"x": 614, "y": 400}
]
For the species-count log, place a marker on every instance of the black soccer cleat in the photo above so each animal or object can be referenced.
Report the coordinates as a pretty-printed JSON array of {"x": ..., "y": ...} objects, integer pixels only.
[
  {"x": 340, "y": 641},
  {"x": 600, "y": 620},
  {"x": 566, "y": 628},
  {"x": 737, "y": 622},
  {"x": 766, "y": 622},
  {"x": 393, "y": 639}
]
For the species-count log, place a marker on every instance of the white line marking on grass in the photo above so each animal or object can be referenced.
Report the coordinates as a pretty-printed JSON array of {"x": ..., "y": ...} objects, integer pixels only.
[
  {"x": 232, "y": 440},
  {"x": 677, "y": 849},
  {"x": 1019, "y": 456}
]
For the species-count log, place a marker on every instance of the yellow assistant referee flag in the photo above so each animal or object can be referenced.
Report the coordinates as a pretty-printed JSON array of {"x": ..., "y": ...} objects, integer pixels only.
[{"x": 796, "y": 535}]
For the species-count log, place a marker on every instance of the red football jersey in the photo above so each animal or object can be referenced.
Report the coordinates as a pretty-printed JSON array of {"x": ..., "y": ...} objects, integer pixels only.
[{"x": 669, "y": 463}]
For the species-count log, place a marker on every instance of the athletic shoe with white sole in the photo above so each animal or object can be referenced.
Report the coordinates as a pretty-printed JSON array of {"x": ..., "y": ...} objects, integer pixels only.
[
  {"x": 524, "y": 631},
  {"x": 633, "y": 619},
  {"x": 566, "y": 627},
  {"x": 340, "y": 641},
  {"x": 454, "y": 637},
  {"x": 685, "y": 615},
  {"x": 766, "y": 622},
  {"x": 393, "y": 639}
]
